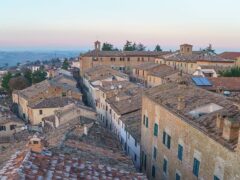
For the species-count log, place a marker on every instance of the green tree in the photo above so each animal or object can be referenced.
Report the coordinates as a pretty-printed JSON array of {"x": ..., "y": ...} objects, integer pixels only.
[
  {"x": 128, "y": 46},
  {"x": 158, "y": 48},
  {"x": 38, "y": 76},
  {"x": 140, "y": 47},
  {"x": 5, "y": 81},
  {"x": 65, "y": 64},
  {"x": 107, "y": 47},
  {"x": 233, "y": 72}
]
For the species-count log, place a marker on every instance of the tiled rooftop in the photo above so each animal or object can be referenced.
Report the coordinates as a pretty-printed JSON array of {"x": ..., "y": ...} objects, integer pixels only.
[
  {"x": 146, "y": 66},
  {"x": 53, "y": 102},
  {"x": 196, "y": 56},
  {"x": 43, "y": 86},
  {"x": 102, "y": 72},
  {"x": 97, "y": 155},
  {"x": 167, "y": 95},
  {"x": 162, "y": 71},
  {"x": 30, "y": 165},
  {"x": 95, "y": 53},
  {"x": 116, "y": 86},
  {"x": 132, "y": 123},
  {"x": 225, "y": 83},
  {"x": 230, "y": 55}
]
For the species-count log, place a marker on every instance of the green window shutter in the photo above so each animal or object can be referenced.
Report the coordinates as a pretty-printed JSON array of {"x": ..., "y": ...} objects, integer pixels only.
[
  {"x": 196, "y": 165},
  {"x": 154, "y": 152},
  {"x": 168, "y": 141},
  {"x": 164, "y": 137},
  {"x": 155, "y": 133},
  {"x": 147, "y": 122},
  {"x": 180, "y": 152},
  {"x": 165, "y": 165}
]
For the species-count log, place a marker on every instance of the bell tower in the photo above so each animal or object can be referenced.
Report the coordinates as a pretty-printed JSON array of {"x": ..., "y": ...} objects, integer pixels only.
[
  {"x": 97, "y": 46},
  {"x": 186, "y": 49}
]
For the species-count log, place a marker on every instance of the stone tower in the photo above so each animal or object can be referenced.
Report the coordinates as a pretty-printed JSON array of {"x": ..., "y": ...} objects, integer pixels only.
[
  {"x": 97, "y": 45},
  {"x": 186, "y": 49}
]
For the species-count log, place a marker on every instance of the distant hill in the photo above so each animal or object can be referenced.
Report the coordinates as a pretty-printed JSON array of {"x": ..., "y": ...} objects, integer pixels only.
[{"x": 13, "y": 57}]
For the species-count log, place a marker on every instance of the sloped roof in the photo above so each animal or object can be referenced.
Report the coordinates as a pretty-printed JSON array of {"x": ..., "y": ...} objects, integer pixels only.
[{"x": 230, "y": 55}]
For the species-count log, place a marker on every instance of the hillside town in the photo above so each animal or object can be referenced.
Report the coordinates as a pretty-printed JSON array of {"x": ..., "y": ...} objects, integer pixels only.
[{"x": 123, "y": 114}]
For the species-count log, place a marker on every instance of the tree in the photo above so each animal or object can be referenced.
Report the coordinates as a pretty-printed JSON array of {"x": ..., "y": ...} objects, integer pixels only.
[
  {"x": 5, "y": 81},
  {"x": 18, "y": 83},
  {"x": 158, "y": 48},
  {"x": 233, "y": 72},
  {"x": 65, "y": 64},
  {"x": 140, "y": 47},
  {"x": 27, "y": 73},
  {"x": 107, "y": 47},
  {"x": 38, "y": 76},
  {"x": 128, "y": 46}
]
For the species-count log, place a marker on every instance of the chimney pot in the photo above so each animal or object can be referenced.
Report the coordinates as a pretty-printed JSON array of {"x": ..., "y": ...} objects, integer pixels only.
[{"x": 230, "y": 129}]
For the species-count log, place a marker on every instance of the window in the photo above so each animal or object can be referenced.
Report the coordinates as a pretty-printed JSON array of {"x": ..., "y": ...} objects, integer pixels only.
[
  {"x": 196, "y": 165},
  {"x": 145, "y": 161},
  {"x": 166, "y": 140},
  {"x": 216, "y": 178},
  {"x": 155, "y": 133},
  {"x": 153, "y": 171},
  {"x": 178, "y": 177},
  {"x": 35, "y": 142},
  {"x": 165, "y": 164},
  {"x": 64, "y": 94},
  {"x": 155, "y": 153},
  {"x": 135, "y": 157},
  {"x": 146, "y": 122},
  {"x": 135, "y": 142},
  {"x": 40, "y": 111},
  {"x": 128, "y": 59},
  {"x": 12, "y": 127},
  {"x": 144, "y": 119},
  {"x": 180, "y": 152},
  {"x": 2, "y": 128}
]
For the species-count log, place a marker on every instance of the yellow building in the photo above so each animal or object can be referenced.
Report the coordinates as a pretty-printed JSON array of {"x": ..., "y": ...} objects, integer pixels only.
[
  {"x": 120, "y": 60},
  {"x": 188, "y": 60},
  {"x": 232, "y": 55},
  {"x": 189, "y": 133},
  {"x": 60, "y": 86}
]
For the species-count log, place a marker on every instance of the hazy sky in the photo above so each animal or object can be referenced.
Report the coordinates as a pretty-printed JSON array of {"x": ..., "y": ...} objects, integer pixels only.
[{"x": 76, "y": 24}]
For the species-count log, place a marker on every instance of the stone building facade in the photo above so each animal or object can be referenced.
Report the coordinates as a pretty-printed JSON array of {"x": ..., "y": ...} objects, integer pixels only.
[
  {"x": 120, "y": 60},
  {"x": 189, "y": 134}
]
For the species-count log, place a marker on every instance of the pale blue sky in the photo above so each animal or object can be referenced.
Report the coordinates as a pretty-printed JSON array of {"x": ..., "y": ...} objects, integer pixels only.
[{"x": 75, "y": 24}]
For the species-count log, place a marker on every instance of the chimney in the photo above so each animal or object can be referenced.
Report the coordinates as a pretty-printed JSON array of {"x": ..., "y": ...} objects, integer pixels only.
[
  {"x": 85, "y": 130},
  {"x": 36, "y": 144},
  {"x": 220, "y": 123},
  {"x": 181, "y": 103},
  {"x": 230, "y": 129}
]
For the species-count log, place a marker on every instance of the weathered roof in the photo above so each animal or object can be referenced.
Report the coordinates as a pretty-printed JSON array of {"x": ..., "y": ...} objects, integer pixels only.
[
  {"x": 97, "y": 53},
  {"x": 116, "y": 86},
  {"x": 126, "y": 105},
  {"x": 132, "y": 123},
  {"x": 162, "y": 71},
  {"x": 230, "y": 55},
  {"x": 43, "y": 86},
  {"x": 146, "y": 66},
  {"x": 30, "y": 165},
  {"x": 225, "y": 83},
  {"x": 196, "y": 56},
  {"x": 102, "y": 72},
  {"x": 52, "y": 102},
  {"x": 167, "y": 96}
]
